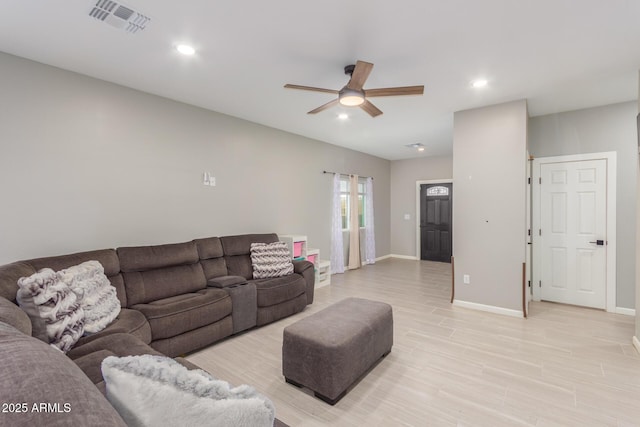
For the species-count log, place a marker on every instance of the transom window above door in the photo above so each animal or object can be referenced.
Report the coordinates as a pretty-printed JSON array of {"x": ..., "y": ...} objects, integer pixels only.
[{"x": 437, "y": 191}]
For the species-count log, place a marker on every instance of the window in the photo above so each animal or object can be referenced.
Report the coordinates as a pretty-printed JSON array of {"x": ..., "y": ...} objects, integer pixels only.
[
  {"x": 437, "y": 191},
  {"x": 345, "y": 204}
]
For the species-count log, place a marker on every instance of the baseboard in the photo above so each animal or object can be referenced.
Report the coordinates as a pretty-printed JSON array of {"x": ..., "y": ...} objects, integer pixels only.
[
  {"x": 636, "y": 343},
  {"x": 380, "y": 258},
  {"x": 413, "y": 258},
  {"x": 626, "y": 311},
  {"x": 488, "y": 308}
]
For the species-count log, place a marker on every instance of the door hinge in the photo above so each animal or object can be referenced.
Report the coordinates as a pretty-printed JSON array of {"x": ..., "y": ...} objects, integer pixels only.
[
  {"x": 539, "y": 283},
  {"x": 540, "y": 180},
  {"x": 539, "y": 232},
  {"x": 529, "y": 232},
  {"x": 528, "y": 180},
  {"x": 529, "y": 283}
]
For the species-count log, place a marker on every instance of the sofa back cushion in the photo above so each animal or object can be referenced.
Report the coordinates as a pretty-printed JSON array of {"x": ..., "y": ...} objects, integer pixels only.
[
  {"x": 156, "y": 272},
  {"x": 237, "y": 252},
  {"x": 14, "y": 316},
  {"x": 211, "y": 257},
  {"x": 10, "y": 273}
]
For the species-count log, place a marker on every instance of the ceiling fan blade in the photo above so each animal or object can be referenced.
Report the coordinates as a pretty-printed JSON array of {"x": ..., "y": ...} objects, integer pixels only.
[
  {"x": 360, "y": 75},
  {"x": 394, "y": 91},
  {"x": 370, "y": 108},
  {"x": 324, "y": 107},
  {"x": 313, "y": 89}
]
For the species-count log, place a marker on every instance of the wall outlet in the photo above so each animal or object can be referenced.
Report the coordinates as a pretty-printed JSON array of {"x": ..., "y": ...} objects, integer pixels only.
[{"x": 466, "y": 279}]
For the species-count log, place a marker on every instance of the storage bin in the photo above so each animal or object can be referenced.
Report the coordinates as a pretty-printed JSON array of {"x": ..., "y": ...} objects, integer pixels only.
[{"x": 297, "y": 249}]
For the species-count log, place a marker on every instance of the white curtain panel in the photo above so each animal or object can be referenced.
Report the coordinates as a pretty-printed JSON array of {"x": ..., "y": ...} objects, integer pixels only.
[
  {"x": 354, "y": 224},
  {"x": 337, "y": 249},
  {"x": 369, "y": 233}
]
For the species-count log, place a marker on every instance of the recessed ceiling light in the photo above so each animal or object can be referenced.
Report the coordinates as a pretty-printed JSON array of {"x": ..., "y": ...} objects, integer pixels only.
[
  {"x": 417, "y": 145},
  {"x": 343, "y": 116},
  {"x": 185, "y": 49},
  {"x": 479, "y": 83}
]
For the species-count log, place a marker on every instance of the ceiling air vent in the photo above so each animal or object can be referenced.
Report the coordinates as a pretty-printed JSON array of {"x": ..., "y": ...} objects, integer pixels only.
[{"x": 119, "y": 16}]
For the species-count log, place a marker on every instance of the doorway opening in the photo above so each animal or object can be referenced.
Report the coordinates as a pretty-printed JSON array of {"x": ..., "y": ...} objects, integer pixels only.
[
  {"x": 434, "y": 214},
  {"x": 574, "y": 230}
]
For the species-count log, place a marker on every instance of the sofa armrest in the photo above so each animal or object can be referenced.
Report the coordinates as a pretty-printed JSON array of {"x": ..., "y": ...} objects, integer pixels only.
[
  {"x": 306, "y": 270},
  {"x": 226, "y": 281}
]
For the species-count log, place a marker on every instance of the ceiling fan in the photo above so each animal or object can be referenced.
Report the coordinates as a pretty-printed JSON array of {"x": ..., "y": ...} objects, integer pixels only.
[{"x": 353, "y": 95}]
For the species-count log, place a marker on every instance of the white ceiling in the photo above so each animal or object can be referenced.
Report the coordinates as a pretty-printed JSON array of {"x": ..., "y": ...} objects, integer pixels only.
[{"x": 558, "y": 54}]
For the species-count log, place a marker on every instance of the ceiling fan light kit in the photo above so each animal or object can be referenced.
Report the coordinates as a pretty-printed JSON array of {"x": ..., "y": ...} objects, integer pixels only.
[
  {"x": 350, "y": 98},
  {"x": 353, "y": 94}
]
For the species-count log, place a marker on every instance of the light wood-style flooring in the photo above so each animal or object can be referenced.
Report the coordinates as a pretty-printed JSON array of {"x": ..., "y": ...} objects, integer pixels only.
[{"x": 450, "y": 366}]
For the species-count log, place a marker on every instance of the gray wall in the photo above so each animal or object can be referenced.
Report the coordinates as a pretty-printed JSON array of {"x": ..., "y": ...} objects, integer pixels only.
[
  {"x": 593, "y": 130},
  {"x": 86, "y": 164},
  {"x": 489, "y": 203},
  {"x": 404, "y": 174}
]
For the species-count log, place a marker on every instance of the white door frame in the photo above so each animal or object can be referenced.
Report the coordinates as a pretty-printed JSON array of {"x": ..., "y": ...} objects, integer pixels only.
[
  {"x": 418, "y": 184},
  {"x": 610, "y": 157}
]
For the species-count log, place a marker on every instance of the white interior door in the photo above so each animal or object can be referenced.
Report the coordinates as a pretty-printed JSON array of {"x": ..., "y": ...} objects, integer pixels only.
[{"x": 573, "y": 226}]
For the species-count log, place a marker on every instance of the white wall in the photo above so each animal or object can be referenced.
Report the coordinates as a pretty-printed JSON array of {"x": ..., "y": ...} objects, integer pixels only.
[
  {"x": 594, "y": 130},
  {"x": 404, "y": 174},
  {"x": 489, "y": 205},
  {"x": 86, "y": 164},
  {"x": 637, "y": 222}
]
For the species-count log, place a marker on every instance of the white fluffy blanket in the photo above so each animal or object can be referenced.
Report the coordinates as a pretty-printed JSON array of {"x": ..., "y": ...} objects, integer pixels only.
[
  {"x": 45, "y": 298},
  {"x": 158, "y": 391},
  {"x": 98, "y": 298}
]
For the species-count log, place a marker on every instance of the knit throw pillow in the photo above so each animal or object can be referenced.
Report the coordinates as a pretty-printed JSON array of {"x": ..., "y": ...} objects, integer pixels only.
[
  {"x": 97, "y": 297},
  {"x": 270, "y": 260},
  {"x": 55, "y": 311}
]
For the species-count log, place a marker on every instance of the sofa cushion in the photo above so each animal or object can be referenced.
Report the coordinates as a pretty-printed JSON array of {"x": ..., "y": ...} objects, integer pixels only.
[
  {"x": 211, "y": 257},
  {"x": 196, "y": 339},
  {"x": 270, "y": 260},
  {"x": 55, "y": 311},
  {"x": 106, "y": 257},
  {"x": 209, "y": 248},
  {"x": 172, "y": 316},
  {"x": 9, "y": 275},
  {"x": 148, "y": 286},
  {"x": 32, "y": 372},
  {"x": 143, "y": 258},
  {"x": 237, "y": 252},
  {"x": 13, "y": 315},
  {"x": 266, "y": 315},
  {"x": 129, "y": 322},
  {"x": 279, "y": 289},
  {"x": 153, "y": 391},
  {"x": 89, "y": 356},
  {"x": 241, "y": 244}
]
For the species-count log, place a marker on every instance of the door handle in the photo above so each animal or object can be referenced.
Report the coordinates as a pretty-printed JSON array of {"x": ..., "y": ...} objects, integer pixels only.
[{"x": 598, "y": 242}]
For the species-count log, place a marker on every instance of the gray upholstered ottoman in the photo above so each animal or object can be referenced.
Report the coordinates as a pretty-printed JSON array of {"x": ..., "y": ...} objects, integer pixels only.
[{"x": 328, "y": 351}]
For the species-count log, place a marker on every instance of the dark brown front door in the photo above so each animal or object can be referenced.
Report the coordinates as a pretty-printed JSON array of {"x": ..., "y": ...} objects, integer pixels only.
[{"x": 435, "y": 222}]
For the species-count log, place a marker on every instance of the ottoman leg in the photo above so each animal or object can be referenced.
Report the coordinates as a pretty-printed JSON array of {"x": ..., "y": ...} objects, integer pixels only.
[
  {"x": 328, "y": 400},
  {"x": 293, "y": 382}
]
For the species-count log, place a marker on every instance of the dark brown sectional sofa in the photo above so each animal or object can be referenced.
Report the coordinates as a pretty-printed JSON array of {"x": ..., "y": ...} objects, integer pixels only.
[{"x": 175, "y": 298}]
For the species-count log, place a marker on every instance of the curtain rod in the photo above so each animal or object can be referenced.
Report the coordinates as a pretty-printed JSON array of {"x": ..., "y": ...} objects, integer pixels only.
[{"x": 347, "y": 174}]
